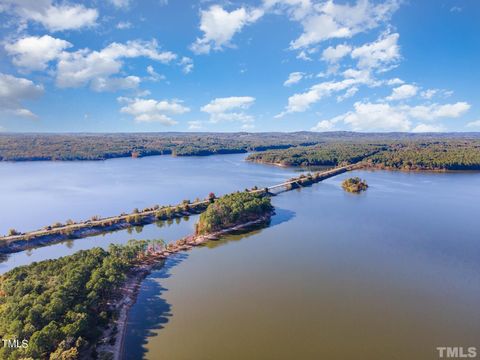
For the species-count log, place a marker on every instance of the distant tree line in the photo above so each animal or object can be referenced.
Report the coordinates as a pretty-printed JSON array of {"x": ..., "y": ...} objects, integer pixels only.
[
  {"x": 424, "y": 154},
  {"x": 25, "y": 147}
]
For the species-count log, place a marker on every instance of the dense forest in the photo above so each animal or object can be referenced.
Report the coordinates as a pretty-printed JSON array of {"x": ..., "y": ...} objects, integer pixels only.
[
  {"x": 233, "y": 209},
  {"x": 61, "y": 306},
  {"x": 436, "y": 155},
  {"x": 328, "y": 154},
  {"x": 22, "y": 147},
  {"x": 417, "y": 154}
]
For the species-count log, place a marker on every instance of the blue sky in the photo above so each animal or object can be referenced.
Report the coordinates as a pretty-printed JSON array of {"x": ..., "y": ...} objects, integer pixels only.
[{"x": 267, "y": 65}]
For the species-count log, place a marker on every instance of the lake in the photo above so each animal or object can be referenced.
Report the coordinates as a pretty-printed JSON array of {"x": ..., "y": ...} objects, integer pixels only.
[
  {"x": 388, "y": 274},
  {"x": 35, "y": 194},
  {"x": 391, "y": 273}
]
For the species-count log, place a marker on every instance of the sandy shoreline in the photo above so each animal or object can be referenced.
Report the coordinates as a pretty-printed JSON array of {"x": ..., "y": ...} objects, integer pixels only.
[{"x": 131, "y": 288}]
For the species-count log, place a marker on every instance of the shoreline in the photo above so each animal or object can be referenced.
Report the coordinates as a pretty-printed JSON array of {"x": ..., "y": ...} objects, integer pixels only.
[
  {"x": 131, "y": 287},
  {"x": 95, "y": 226}
]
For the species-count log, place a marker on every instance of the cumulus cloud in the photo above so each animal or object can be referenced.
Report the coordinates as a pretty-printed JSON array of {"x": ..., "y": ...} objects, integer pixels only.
[
  {"x": 54, "y": 16},
  {"x": 428, "y": 128},
  {"x": 293, "y": 78},
  {"x": 367, "y": 116},
  {"x": 474, "y": 124},
  {"x": 79, "y": 68},
  {"x": 13, "y": 91},
  {"x": 35, "y": 52},
  {"x": 395, "y": 81},
  {"x": 436, "y": 111},
  {"x": 333, "y": 54},
  {"x": 330, "y": 20},
  {"x": 150, "y": 110},
  {"x": 302, "y": 101},
  {"x": 403, "y": 92},
  {"x": 229, "y": 109},
  {"x": 115, "y": 83},
  {"x": 324, "y": 125},
  {"x": 219, "y": 26},
  {"x": 379, "y": 54}
]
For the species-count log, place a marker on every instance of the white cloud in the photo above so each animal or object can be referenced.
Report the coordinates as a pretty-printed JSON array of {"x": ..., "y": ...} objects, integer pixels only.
[
  {"x": 154, "y": 76},
  {"x": 150, "y": 110},
  {"x": 13, "y": 91},
  {"x": 428, "y": 128},
  {"x": 34, "y": 52},
  {"x": 293, "y": 78},
  {"x": 61, "y": 16},
  {"x": 378, "y": 54},
  {"x": 123, "y": 25},
  {"x": 474, "y": 124},
  {"x": 395, "y": 81},
  {"x": 195, "y": 125},
  {"x": 324, "y": 125},
  {"x": 334, "y": 54},
  {"x": 219, "y": 26},
  {"x": 403, "y": 92},
  {"x": 377, "y": 117},
  {"x": 329, "y": 20},
  {"x": 120, "y": 3},
  {"x": 303, "y": 55},
  {"x": 115, "y": 83},
  {"x": 367, "y": 116},
  {"x": 436, "y": 111},
  {"x": 79, "y": 68},
  {"x": 187, "y": 64},
  {"x": 349, "y": 93},
  {"x": 229, "y": 109},
  {"x": 302, "y": 101}
]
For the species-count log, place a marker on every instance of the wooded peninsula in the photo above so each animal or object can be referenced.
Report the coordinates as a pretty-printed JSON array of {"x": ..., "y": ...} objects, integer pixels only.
[
  {"x": 72, "y": 307},
  {"x": 416, "y": 154}
]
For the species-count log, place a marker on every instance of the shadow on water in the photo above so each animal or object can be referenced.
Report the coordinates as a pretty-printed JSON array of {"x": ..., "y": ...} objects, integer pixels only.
[
  {"x": 281, "y": 216},
  {"x": 151, "y": 311}
]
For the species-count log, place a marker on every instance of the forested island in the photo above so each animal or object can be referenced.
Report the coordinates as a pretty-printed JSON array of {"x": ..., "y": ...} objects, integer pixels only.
[
  {"x": 354, "y": 185},
  {"x": 421, "y": 154},
  {"x": 67, "y": 147},
  {"x": 233, "y": 209}
]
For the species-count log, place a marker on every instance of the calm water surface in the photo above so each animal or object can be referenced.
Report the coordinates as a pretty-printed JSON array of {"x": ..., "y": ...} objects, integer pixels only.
[
  {"x": 388, "y": 274},
  {"x": 35, "y": 194}
]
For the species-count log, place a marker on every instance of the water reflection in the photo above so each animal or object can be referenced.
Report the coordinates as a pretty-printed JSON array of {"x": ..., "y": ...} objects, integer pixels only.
[
  {"x": 166, "y": 230},
  {"x": 151, "y": 312}
]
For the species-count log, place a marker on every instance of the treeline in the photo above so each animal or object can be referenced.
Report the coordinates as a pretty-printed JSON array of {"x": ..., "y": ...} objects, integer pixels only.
[
  {"x": 233, "y": 209},
  {"x": 432, "y": 154},
  {"x": 61, "y": 306},
  {"x": 24, "y": 147},
  {"x": 438, "y": 155},
  {"x": 328, "y": 154}
]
